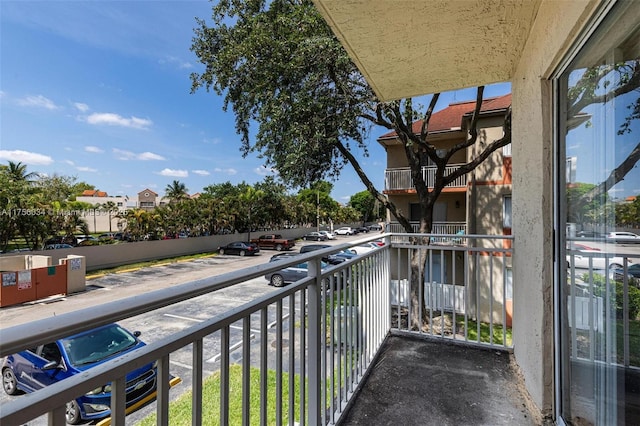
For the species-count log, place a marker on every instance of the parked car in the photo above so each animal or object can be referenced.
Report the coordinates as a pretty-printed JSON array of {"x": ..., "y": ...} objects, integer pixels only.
[
  {"x": 86, "y": 240},
  {"x": 59, "y": 239},
  {"x": 623, "y": 237},
  {"x": 36, "y": 368},
  {"x": 274, "y": 241},
  {"x": 241, "y": 248},
  {"x": 57, "y": 246},
  {"x": 290, "y": 274},
  {"x": 632, "y": 271},
  {"x": 597, "y": 260},
  {"x": 364, "y": 229},
  {"x": 364, "y": 248},
  {"x": 345, "y": 230},
  {"x": 314, "y": 236},
  {"x": 331, "y": 259},
  {"x": 328, "y": 234},
  {"x": 588, "y": 234},
  {"x": 334, "y": 258}
]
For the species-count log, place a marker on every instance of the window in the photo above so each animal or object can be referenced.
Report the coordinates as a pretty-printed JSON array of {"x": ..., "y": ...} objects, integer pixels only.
[
  {"x": 50, "y": 352},
  {"x": 506, "y": 211},
  {"x": 506, "y": 150}
]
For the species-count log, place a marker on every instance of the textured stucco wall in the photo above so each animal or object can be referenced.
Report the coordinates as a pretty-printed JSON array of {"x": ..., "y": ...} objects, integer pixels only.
[{"x": 556, "y": 26}]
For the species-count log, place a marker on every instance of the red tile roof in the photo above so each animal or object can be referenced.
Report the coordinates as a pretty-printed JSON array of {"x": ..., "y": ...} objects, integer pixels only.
[
  {"x": 450, "y": 118},
  {"x": 93, "y": 193}
]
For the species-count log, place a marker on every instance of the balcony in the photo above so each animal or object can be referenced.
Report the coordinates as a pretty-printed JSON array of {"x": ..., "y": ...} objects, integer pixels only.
[
  {"x": 400, "y": 179},
  {"x": 444, "y": 230},
  {"x": 341, "y": 334}
]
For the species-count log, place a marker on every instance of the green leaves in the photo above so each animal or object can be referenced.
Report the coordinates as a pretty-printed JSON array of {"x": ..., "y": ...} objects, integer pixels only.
[{"x": 279, "y": 67}]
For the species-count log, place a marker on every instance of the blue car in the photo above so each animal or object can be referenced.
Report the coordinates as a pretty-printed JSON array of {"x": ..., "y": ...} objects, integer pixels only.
[{"x": 33, "y": 369}]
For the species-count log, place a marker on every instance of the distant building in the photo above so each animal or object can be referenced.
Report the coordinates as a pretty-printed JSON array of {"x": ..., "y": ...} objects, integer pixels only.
[
  {"x": 95, "y": 197},
  {"x": 147, "y": 199}
]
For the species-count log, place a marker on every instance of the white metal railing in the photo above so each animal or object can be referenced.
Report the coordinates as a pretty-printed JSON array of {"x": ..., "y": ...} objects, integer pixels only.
[
  {"x": 333, "y": 330},
  {"x": 337, "y": 319},
  {"x": 441, "y": 233},
  {"x": 598, "y": 302},
  {"x": 466, "y": 290},
  {"x": 400, "y": 178}
]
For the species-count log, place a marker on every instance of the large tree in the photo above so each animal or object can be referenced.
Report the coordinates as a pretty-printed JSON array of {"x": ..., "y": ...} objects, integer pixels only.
[{"x": 277, "y": 64}]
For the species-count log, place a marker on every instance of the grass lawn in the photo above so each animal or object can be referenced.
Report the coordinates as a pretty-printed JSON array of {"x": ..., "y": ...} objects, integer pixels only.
[
  {"x": 485, "y": 332},
  {"x": 180, "y": 409}
]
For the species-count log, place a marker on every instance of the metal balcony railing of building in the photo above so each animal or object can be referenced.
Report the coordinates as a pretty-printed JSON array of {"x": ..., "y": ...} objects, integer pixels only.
[
  {"x": 447, "y": 229},
  {"x": 399, "y": 179},
  {"x": 318, "y": 336},
  {"x": 602, "y": 295},
  {"x": 466, "y": 291}
]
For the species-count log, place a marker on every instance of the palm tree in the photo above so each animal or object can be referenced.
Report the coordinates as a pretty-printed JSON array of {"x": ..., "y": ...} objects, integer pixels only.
[
  {"x": 110, "y": 207},
  {"x": 18, "y": 172},
  {"x": 176, "y": 191}
]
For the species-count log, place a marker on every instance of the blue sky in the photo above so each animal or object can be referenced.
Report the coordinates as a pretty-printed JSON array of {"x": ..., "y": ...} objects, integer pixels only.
[{"x": 100, "y": 90}]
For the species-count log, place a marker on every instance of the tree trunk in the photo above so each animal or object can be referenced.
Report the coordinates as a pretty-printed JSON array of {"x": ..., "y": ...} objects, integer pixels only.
[{"x": 419, "y": 265}]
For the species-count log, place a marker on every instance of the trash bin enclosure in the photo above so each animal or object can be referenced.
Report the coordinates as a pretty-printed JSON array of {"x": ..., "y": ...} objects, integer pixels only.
[{"x": 28, "y": 278}]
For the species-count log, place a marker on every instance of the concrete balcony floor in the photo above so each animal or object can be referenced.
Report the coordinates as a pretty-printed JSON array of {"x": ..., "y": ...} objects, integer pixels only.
[{"x": 418, "y": 381}]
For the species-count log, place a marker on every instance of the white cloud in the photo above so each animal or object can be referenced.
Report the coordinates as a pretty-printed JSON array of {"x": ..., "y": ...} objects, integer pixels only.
[
  {"x": 94, "y": 149},
  {"x": 149, "y": 156},
  {"x": 121, "y": 154},
  {"x": 81, "y": 106},
  {"x": 69, "y": 162},
  {"x": 229, "y": 171},
  {"x": 201, "y": 172},
  {"x": 112, "y": 119},
  {"x": 38, "y": 101},
  {"x": 174, "y": 173},
  {"x": 26, "y": 157},
  {"x": 212, "y": 141},
  {"x": 86, "y": 169},
  {"x": 263, "y": 171},
  {"x": 176, "y": 61}
]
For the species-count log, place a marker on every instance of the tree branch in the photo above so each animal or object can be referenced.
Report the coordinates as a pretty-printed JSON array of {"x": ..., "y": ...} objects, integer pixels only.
[{"x": 372, "y": 189}]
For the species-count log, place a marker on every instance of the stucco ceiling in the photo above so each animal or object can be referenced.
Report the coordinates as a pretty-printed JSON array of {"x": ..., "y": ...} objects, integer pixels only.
[{"x": 414, "y": 47}]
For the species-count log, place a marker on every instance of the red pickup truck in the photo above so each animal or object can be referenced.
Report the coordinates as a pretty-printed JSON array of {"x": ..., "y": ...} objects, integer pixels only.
[{"x": 273, "y": 241}]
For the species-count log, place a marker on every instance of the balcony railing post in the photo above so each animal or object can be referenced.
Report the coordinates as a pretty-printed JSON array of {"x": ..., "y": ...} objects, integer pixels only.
[{"x": 315, "y": 377}]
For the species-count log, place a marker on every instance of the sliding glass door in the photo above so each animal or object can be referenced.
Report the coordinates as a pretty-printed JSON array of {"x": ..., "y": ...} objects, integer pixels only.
[{"x": 598, "y": 194}]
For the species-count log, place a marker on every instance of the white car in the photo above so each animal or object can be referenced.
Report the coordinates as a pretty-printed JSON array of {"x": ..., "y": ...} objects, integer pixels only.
[
  {"x": 597, "y": 259},
  {"x": 328, "y": 234},
  {"x": 623, "y": 237},
  {"x": 345, "y": 230},
  {"x": 364, "y": 248}
]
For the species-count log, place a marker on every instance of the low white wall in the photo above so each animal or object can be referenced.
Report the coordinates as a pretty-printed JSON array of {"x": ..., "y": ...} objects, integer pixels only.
[{"x": 110, "y": 255}]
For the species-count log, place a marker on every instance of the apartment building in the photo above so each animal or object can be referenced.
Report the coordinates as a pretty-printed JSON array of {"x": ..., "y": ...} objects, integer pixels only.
[{"x": 477, "y": 203}]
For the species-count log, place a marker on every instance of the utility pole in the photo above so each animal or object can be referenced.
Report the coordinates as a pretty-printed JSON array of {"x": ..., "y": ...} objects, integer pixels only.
[{"x": 317, "y": 210}]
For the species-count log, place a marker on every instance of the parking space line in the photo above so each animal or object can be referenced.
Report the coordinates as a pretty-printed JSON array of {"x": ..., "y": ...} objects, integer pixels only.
[
  {"x": 199, "y": 320},
  {"x": 231, "y": 349},
  {"x": 183, "y": 318},
  {"x": 188, "y": 367}
]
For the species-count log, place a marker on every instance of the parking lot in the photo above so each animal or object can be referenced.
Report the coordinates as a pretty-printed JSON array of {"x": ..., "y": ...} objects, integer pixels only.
[{"x": 163, "y": 322}]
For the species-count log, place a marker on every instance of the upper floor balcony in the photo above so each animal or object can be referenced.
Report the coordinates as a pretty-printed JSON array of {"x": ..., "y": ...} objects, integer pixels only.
[
  {"x": 399, "y": 179},
  {"x": 299, "y": 354}
]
